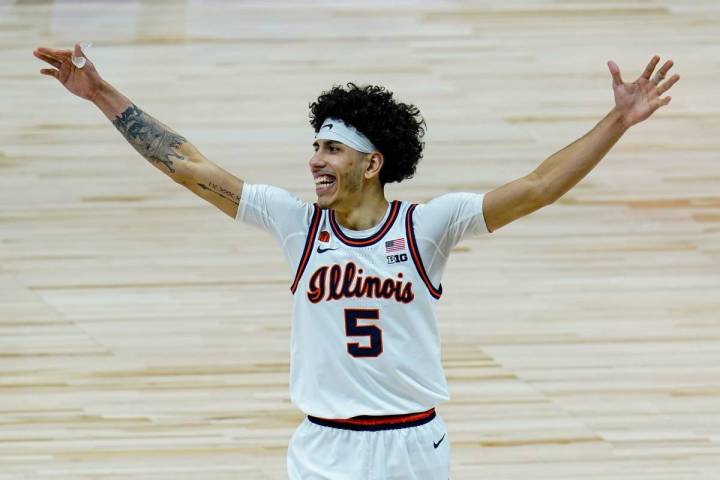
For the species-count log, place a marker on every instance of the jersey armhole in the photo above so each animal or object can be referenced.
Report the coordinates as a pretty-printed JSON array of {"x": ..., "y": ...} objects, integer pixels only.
[
  {"x": 307, "y": 250},
  {"x": 415, "y": 254}
]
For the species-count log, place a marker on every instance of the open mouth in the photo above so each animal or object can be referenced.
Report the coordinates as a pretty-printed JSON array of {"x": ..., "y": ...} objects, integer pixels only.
[{"x": 324, "y": 184}]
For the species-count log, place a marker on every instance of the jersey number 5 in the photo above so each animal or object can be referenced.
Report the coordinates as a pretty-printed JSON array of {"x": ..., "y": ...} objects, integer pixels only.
[{"x": 352, "y": 329}]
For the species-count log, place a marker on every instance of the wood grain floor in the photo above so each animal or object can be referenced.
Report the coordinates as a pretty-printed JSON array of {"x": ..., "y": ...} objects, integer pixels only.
[{"x": 144, "y": 335}]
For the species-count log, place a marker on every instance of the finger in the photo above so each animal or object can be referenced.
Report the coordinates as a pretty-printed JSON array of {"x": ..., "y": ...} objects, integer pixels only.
[
  {"x": 667, "y": 84},
  {"x": 52, "y": 51},
  {"x": 50, "y": 60},
  {"x": 650, "y": 67},
  {"x": 78, "y": 51},
  {"x": 50, "y": 72},
  {"x": 615, "y": 72},
  {"x": 660, "y": 75},
  {"x": 667, "y": 66},
  {"x": 664, "y": 101},
  {"x": 56, "y": 54}
]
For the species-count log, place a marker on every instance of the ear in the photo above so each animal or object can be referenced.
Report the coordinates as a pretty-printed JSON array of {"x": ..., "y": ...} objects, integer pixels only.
[{"x": 374, "y": 163}]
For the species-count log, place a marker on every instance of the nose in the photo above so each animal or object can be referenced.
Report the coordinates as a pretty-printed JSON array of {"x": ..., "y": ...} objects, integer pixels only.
[{"x": 316, "y": 161}]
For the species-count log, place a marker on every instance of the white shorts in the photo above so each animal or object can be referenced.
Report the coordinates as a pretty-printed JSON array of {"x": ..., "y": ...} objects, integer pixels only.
[{"x": 407, "y": 447}]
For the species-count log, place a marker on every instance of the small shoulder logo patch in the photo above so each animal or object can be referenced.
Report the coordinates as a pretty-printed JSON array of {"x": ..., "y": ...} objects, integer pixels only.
[{"x": 396, "y": 258}]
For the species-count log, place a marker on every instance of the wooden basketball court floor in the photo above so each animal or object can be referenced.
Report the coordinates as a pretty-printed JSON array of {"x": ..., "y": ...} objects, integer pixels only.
[{"x": 145, "y": 335}]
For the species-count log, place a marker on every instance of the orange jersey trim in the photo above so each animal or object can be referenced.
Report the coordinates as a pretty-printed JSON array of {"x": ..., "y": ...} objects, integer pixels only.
[
  {"x": 307, "y": 251},
  {"x": 415, "y": 254},
  {"x": 372, "y": 239}
]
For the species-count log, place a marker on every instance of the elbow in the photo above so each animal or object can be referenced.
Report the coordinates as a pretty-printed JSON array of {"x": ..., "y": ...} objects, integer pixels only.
[
  {"x": 546, "y": 200},
  {"x": 181, "y": 177},
  {"x": 543, "y": 195},
  {"x": 185, "y": 171}
]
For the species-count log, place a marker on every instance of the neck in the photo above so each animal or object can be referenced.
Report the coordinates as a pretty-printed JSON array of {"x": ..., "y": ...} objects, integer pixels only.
[{"x": 363, "y": 212}]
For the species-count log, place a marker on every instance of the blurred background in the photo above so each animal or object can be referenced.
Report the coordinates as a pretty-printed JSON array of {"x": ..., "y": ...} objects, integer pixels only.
[{"x": 144, "y": 334}]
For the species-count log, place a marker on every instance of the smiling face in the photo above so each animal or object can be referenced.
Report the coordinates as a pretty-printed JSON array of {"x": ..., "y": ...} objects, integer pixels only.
[
  {"x": 337, "y": 171},
  {"x": 343, "y": 175}
]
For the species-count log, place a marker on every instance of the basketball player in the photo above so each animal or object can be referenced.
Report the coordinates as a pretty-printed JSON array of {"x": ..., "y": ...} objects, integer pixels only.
[{"x": 365, "y": 361}]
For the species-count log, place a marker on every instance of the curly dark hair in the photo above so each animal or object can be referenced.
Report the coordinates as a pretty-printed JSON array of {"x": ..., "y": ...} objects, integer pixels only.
[{"x": 390, "y": 126}]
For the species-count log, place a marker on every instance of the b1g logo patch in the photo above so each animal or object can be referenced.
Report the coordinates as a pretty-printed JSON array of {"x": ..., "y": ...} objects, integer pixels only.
[
  {"x": 392, "y": 246},
  {"x": 397, "y": 258}
]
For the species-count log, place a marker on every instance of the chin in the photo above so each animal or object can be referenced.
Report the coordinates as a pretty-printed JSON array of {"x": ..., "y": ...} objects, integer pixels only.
[{"x": 326, "y": 201}]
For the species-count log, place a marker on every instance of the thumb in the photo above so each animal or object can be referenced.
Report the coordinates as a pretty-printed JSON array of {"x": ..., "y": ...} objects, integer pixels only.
[
  {"x": 615, "y": 72},
  {"x": 81, "y": 50}
]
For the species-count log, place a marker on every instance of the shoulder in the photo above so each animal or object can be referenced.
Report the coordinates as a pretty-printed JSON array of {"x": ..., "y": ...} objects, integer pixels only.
[
  {"x": 450, "y": 206},
  {"x": 450, "y": 215},
  {"x": 273, "y": 202},
  {"x": 253, "y": 192}
]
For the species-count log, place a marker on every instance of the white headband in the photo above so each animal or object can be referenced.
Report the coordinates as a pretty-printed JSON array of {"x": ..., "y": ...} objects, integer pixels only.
[{"x": 336, "y": 129}]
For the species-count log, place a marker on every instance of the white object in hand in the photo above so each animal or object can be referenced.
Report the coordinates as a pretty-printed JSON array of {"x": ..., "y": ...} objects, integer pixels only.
[{"x": 79, "y": 62}]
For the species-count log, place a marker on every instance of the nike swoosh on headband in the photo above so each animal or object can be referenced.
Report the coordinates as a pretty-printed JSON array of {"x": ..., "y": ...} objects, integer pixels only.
[{"x": 344, "y": 133}]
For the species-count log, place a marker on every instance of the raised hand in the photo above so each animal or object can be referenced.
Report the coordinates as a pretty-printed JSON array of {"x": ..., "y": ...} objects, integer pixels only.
[
  {"x": 638, "y": 100},
  {"x": 84, "y": 82}
]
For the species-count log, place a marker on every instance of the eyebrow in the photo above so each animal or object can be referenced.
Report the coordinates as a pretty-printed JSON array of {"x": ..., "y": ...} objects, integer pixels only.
[{"x": 328, "y": 142}]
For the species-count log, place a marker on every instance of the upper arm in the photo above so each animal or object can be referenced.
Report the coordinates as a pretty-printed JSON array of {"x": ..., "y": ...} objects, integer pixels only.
[
  {"x": 214, "y": 184},
  {"x": 512, "y": 201}
]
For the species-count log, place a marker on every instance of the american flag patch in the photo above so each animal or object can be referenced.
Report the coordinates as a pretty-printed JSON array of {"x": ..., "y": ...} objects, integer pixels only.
[{"x": 396, "y": 245}]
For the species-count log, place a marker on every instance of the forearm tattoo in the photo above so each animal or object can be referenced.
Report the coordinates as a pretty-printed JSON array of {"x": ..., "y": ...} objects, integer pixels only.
[
  {"x": 152, "y": 139},
  {"x": 223, "y": 192}
]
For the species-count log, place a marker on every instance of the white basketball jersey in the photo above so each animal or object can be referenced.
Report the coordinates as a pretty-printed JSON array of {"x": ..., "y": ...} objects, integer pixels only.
[{"x": 364, "y": 333}]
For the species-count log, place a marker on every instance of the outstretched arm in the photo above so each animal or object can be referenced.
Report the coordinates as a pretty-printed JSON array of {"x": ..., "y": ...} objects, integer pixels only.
[
  {"x": 170, "y": 152},
  {"x": 167, "y": 150},
  {"x": 634, "y": 102}
]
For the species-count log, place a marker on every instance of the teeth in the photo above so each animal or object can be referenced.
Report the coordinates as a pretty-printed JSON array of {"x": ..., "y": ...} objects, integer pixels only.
[{"x": 324, "y": 179}]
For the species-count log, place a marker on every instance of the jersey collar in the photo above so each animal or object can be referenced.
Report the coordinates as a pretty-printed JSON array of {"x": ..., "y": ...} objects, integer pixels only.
[{"x": 372, "y": 239}]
